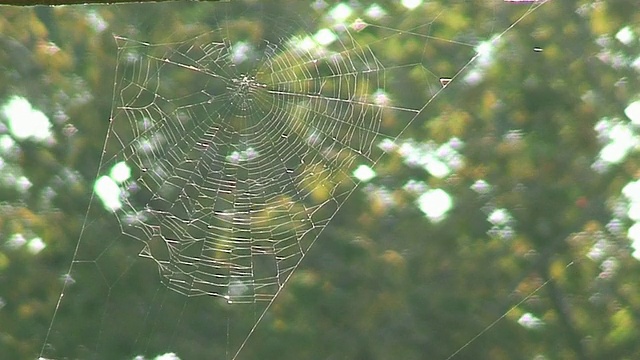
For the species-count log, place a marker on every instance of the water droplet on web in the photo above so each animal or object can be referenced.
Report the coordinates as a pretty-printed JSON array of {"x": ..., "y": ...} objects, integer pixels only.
[
  {"x": 359, "y": 25},
  {"x": 445, "y": 81}
]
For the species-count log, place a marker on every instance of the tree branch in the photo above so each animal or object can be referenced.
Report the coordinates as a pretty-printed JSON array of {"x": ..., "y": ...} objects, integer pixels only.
[
  {"x": 76, "y": 2},
  {"x": 564, "y": 316}
]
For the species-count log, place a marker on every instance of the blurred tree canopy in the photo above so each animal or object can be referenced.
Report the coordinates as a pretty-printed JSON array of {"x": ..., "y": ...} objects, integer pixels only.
[{"x": 539, "y": 219}]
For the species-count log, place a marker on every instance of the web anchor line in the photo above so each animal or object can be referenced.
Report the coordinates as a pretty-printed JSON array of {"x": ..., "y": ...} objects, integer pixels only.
[{"x": 496, "y": 321}]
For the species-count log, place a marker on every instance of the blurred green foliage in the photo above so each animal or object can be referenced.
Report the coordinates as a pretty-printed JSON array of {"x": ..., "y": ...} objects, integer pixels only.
[{"x": 382, "y": 282}]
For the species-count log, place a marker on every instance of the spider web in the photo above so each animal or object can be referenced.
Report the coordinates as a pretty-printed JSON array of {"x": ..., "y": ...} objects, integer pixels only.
[
  {"x": 242, "y": 151},
  {"x": 241, "y": 171}
]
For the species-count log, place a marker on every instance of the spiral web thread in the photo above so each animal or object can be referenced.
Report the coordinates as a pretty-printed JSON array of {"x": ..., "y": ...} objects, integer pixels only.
[{"x": 241, "y": 172}]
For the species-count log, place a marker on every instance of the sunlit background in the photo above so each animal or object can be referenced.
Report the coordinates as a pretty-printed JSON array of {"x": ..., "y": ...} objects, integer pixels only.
[{"x": 462, "y": 162}]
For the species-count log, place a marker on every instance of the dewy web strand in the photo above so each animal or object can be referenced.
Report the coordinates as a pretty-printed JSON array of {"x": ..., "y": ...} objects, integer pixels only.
[{"x": 241, "y": 152}]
